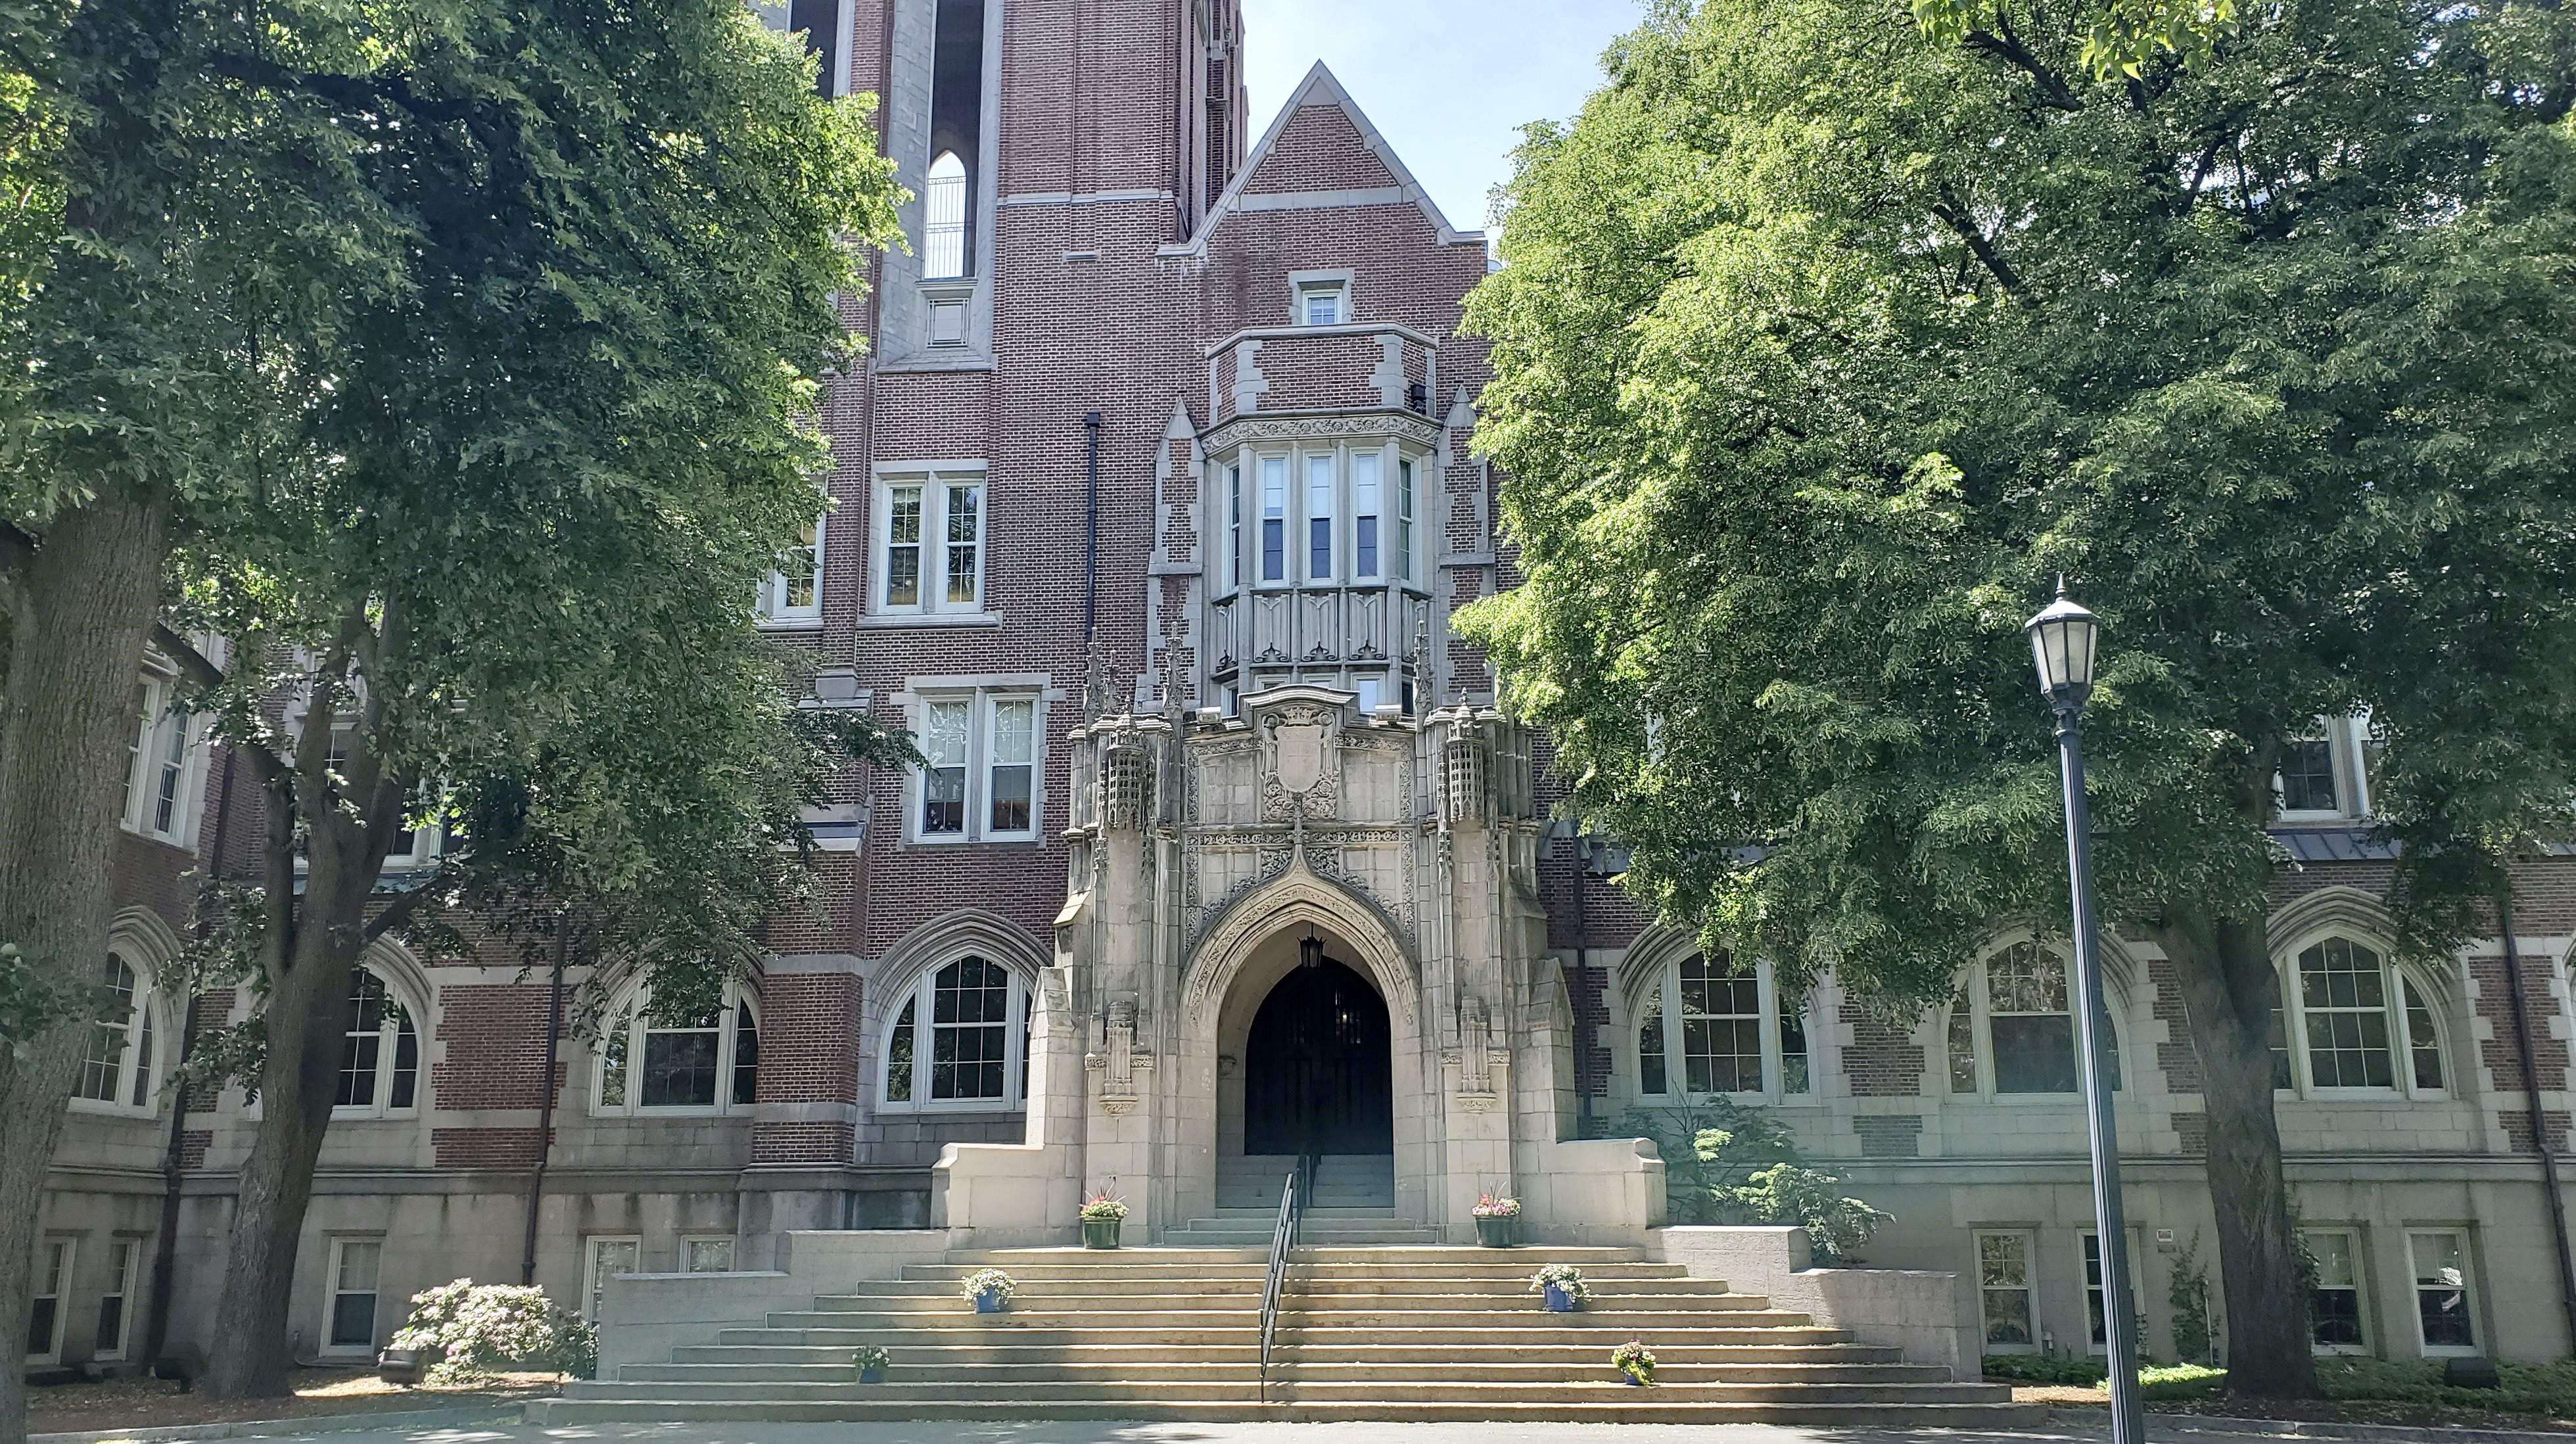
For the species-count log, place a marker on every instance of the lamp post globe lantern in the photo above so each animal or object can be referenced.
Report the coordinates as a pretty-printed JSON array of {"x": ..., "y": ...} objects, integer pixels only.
[{"x": 2063, "y": 638}]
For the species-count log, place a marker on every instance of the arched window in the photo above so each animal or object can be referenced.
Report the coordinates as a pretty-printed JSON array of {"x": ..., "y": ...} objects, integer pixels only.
[
  {"x": 2012, "y": 1027},
  {"x": 1703, "y": 1029},
  {"x": 380, "y": 1058},
  {"x": 2362, "y": 1022},
  {"x": 116, "y": 1067},
  {"x": 959, "y": 1040},
  {"x": 701, "y": 1064},
  {"x": 943, "y": 228}
]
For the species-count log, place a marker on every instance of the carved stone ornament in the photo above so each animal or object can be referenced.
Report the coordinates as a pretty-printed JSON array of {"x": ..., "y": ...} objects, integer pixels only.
[
  {"x": 1301, "y": 762},
  {"x": 1119, "y": 1061}
]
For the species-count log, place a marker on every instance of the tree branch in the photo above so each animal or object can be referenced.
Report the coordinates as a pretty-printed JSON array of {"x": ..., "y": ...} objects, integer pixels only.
[
  {"x": 2053, "y": 90},
  {"x": 1956, "y": 217},
  {"x": 396, "y": 913},
  {"x": 200, "y": 669}
]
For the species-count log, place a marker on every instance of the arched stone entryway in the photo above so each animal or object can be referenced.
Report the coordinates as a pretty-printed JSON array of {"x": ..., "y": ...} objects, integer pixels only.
[{"x": 1317, "y": 1077}]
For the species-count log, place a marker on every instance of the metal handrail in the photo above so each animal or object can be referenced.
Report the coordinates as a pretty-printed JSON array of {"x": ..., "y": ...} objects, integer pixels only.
[{"x": 1283, "y": 1237}]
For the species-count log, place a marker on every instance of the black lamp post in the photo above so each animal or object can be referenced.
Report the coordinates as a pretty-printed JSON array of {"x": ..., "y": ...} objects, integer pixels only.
[{"x": 2062, "y": 639}]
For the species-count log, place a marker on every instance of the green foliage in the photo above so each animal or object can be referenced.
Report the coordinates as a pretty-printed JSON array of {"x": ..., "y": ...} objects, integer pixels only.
[
  {"x": 2122, "y": 36},
  {"x": 2547, "y": 1389},
  {"x": 1726, "y": 1163},
  {"x": 478, "y": 1330},
  {"x": 2194, "y": 1333},
  {"x": 1565, "y": 1277},
  {"x": 34, "y": 1001},
  {"x": 2177, "y": 1381},
  {"x": 1820, "y": 349},
  {"x": 2043, "y": 1369}
]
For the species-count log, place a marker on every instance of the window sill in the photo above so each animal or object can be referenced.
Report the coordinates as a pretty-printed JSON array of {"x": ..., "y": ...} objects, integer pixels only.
[
  {"x": 960, "y": 1108},
  {"x": 791, "y": 624},
  {"x": 876, "y": 620},
  {"x": 100, "y": 1108},
  {"x": 1030, "y": 840}
]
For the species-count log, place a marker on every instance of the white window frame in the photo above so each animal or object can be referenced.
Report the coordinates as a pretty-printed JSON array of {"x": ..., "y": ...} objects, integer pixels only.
[
  {"x": 1281, "y": 465},
  {"x": 2360, "y": 1287},
  {"x": 937, "y": 481},
  {"x": 1332, "y": 512},
  {"x": 2395, "y": 979},
  {"x": 714, "y": 1243},
  {"x": 1304, "y": 286},
  {"x": 167, "y": 751},
  {"x": 2028, "y": 1287},
  {"x": 2469, "y": 1292},
  {"x": 1664, "y": 985},
  {"x": 982, "y": 705},
  {"x": 919, "y": 994},
  {"x": 1230, "y": 577},
  {"x": 125, "y": 1255},
  {"x": 53, "y": 1282},
  {"x": 332, "y": 1293},
  {"x": 2346, "y": 738},
  {"x": 775, "y": 610},
  {"x": 1407, "y": 485},
  {"x": 1979, "y": 994},
  {"x": 2087, "y": 1265},
  {"x": 631, "y": 1023},
  {"x": 144, "y": 1021},
  {"x": 595, "y": 1283},
  {"x": 389, "y": 1032},
  {"x": 935, "y": 189}
]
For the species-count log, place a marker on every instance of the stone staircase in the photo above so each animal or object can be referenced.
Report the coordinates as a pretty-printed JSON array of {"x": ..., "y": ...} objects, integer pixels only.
[{"x": 1365, "y": 1333}]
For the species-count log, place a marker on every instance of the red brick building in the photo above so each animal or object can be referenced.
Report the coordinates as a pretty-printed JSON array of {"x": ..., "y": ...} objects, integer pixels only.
[{"x": 1150, "y": 507}]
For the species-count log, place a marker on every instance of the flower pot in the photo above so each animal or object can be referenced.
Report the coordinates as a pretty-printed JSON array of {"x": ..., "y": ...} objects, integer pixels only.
[
  {"x": 1559, "y": 1301},
  {"x": 872, "y": 1376},
  {"x": 1633, "y": 1379},
  {"x": 1499, "y": 1230},
  {"x": 1101, "y": 1232},
  {"x": 991, "y": 1301}
]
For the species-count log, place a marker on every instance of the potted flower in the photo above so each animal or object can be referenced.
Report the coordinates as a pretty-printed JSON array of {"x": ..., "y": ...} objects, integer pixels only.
[
  {"x": 1561, "y": 1286},
  {"x": 871, "y": 1363},
  {"x": 1498, "y": 1220},
  {"x": 1101, "y": 1217},
  {"x": 989, "y": 1290},
  {"x": 1635, "y": 1361}
]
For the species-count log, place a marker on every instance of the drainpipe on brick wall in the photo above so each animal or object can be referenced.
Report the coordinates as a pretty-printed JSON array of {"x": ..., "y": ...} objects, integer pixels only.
[
  {"x": 546, "y": 1108},
  {"x": 1584, "y": 1073},
  {"x": 165, "y": 1247},
  {"x": 2539, "y": 1120}
]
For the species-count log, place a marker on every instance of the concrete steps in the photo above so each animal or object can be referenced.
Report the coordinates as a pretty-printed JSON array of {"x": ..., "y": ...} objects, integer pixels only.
[{"x": 1404, "y": 1331}]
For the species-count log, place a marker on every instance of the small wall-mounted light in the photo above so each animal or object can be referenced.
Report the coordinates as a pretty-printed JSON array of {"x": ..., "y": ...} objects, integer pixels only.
[{"x": 1310, "y": 949}]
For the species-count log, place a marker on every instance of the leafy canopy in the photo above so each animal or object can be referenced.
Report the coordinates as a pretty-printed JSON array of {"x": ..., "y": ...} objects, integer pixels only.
[{"x": 1823, "y": 345}]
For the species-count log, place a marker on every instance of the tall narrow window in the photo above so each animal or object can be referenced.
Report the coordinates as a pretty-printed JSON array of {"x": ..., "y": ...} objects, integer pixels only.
[
  {"x": 903, "y": 547},
  {"x": 380, "y": 1054},
  {"x": 605, "y": 1259},
  {"x": 2334, "y": 1300},
  {"x": 943, "y": 226},
  {"x": 2093, "y": 1293},
  {"x": 956, "y": 131},
  {"x": 1404, "y": 517},
  {"x": 746, "y": 1055},
  {"x": 1793, "y": 1045},
  {"x": 170, "y": 776},
  {"x": 1012, "y": 765},
  {"x": 156, "y": 788},
  {"x": 1960, "y": 1039},
  {"x": 2423, "y": 1044},
  {"x": 354, "y": 1267},
  {"x": 2343, "y": 994},
  {"x": 2033, "y": 1032},
  {"x": 1721, "y": 1029},
  {"x": 1274, "y": 518},
  {"x": 965, "y": 545},
  {"x": 45, "y": 1313},
  {"x": 1364, "y": 501},
  {"x": 1234, "y": 525},
  {"x": 117, "y": 1066},
  {"x": 1650, "y": 1044},
  {"x": 819, "y": 21},
  {"x": 1319, "y": 517},
  {"x": 943, "y": 775},
  {"x": 900, "y": 1055},
  {"x": 114, "y": 1307},
  {"x": 2442, "y": 1298},
  {"x": 2003, "y": 1292}
]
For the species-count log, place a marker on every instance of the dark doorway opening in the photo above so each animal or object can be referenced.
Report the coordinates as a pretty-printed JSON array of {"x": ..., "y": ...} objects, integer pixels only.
[{"x": 1318, "y": 1068}]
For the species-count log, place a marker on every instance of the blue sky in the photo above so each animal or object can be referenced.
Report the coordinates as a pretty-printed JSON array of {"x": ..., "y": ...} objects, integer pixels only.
[{"x": 1448, "y": 82}]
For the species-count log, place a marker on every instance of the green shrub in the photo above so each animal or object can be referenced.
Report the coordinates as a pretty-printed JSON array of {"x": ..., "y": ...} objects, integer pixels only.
[
  {"x": 2528, "y": 1388},
  {"x": 2041, "y": 1369},
  {"x": 1726, "y": 1163},
  {"x": 478, "y": 1330},
  {"x": 2177, "y": 1381}
]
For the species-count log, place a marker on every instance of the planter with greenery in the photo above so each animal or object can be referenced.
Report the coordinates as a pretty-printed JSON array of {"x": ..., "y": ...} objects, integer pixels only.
[
  {"x": 1561, "y": 1286},
  {"x": 989, "y": 1290},
  {"x": 1102, "y": 1216},
  {"x": 1498, "y": 1221},
  {"x": 870, "y": 1362},
  {"x": 1635, "y": 1362}
]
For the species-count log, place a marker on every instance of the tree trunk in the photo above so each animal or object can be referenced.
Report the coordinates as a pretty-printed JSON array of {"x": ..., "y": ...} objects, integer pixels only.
[
  {"x": 2230, "y": 989},
  {"x": 78, "y": 610}
]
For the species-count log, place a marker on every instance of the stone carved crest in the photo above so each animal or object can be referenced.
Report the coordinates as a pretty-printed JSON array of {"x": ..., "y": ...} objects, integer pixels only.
[{"x": 1301, "y": 762}]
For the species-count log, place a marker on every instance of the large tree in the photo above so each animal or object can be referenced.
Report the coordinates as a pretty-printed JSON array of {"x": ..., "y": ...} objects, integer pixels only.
[
  {"x": 545, "y": 476},
  {"x": 1825, "y": 339}
]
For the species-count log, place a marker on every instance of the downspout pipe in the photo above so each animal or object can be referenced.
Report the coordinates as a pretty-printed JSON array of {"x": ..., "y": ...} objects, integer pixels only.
[
  {"x": 546, "y": 1107},
  {"x": 165, "y": 1246},
  {"x": 1091, "y": 527},
  {"x": 2539, "y": 1120}
]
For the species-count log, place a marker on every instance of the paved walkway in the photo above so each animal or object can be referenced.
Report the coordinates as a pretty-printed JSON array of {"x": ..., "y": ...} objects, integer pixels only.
[{"x": 1071, "y": 1432}]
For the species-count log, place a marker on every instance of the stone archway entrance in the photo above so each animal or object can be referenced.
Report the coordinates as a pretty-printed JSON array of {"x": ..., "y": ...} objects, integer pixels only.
[{"x": 1318, "y": 1067}]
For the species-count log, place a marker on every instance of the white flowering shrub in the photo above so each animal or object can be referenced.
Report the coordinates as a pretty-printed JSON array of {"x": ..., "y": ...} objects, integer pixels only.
[{"x": 477, "y": 1330}]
